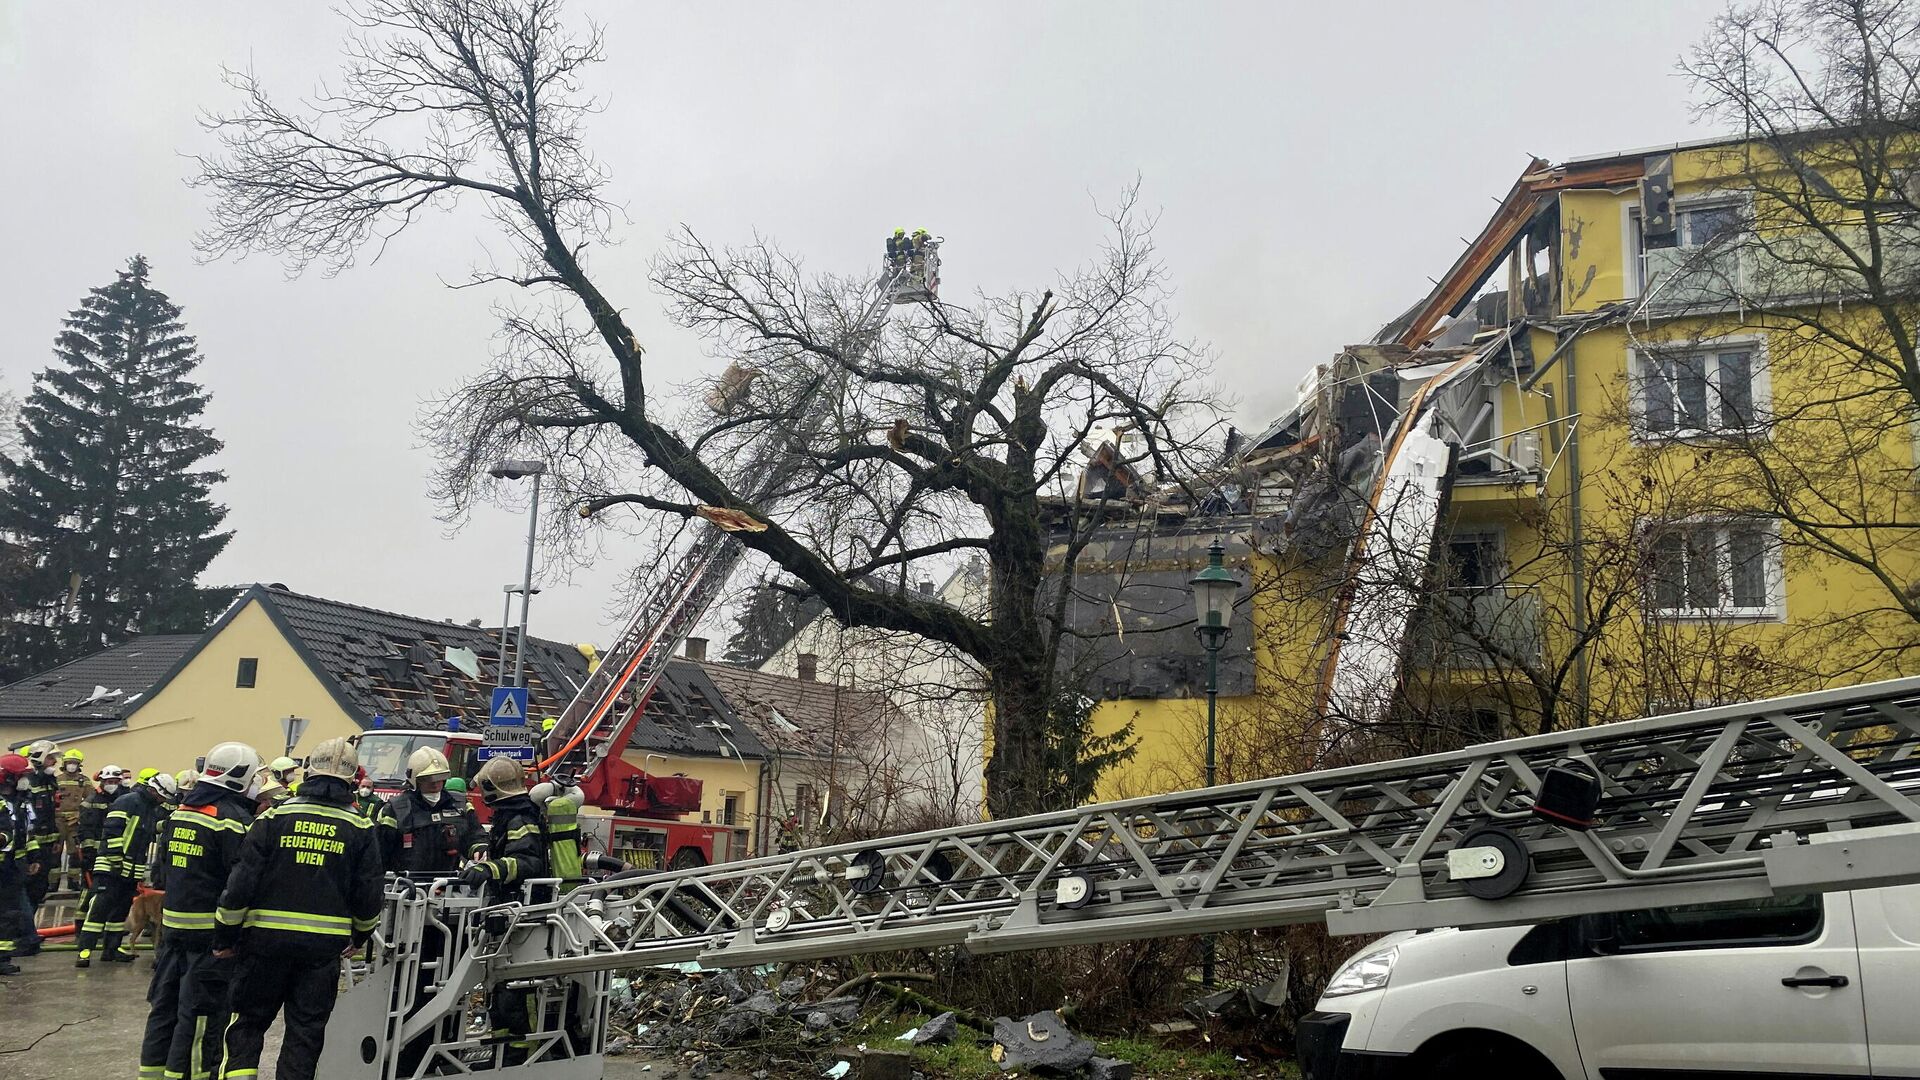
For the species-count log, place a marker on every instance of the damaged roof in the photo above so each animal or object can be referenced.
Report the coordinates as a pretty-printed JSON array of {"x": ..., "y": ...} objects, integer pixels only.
[
  {"x": 803, "y": 717},
  {"x": 105, "y": 686}
]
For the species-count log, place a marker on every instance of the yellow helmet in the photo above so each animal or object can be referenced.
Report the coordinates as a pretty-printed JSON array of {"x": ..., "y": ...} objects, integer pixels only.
[{"x": 73, "y": 755}]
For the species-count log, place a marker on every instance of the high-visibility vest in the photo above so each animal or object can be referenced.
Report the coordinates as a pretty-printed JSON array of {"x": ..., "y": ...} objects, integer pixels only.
[{"x": 562, "y": 820}]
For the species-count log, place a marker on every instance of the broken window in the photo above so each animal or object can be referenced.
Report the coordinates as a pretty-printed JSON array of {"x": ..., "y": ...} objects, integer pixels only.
[
  {"x": 1715, "y": 568},
  {"x": 1699, "y": 225},
  {"x": 249, "y": 671},
  {"x": 1698, "y": 391}
]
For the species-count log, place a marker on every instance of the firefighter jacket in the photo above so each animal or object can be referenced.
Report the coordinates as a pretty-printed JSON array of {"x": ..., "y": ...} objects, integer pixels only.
[
  {"x": 128, "y": 840},
  {"x": 46, "y": 804},
  {"x": 421, "y": 837},
  {"x": 202, "y": 847},
  {"x": 516, "y": 844},
  {"x": 93, "y": 815},
  {"x": 308, "y": 881},
  {"x": 16, "y": 839},
  {"x": 71, "y": 794}
]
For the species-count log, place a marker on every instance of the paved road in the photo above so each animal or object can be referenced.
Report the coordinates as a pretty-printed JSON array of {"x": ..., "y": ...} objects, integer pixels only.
[{"x": 105, "y": 1012}]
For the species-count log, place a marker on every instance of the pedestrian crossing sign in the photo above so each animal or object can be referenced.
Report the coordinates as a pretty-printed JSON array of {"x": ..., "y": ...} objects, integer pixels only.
[{"x": 507, "y": 732}]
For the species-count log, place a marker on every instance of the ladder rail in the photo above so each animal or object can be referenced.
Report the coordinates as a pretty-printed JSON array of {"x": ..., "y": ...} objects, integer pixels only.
[{"x": 1685, "y": 811}]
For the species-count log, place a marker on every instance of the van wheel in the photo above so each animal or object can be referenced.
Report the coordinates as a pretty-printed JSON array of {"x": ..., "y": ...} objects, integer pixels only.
[
  {"x": 1497, "y": 1057},
  {"x": 687, "y": 859}
]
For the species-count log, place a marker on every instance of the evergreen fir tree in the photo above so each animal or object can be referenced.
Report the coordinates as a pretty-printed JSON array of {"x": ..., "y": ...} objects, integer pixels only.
[
  {"x": 768, "y": 618},
  {"x": 105, "y": 495}
]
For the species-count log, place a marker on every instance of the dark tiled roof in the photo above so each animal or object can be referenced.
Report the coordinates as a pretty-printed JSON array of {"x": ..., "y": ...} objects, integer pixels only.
[
  {"x": 132, "y": 669},
  {"x": 395, "y": 666},
  {"x": 798, "y": 716},
  {"x": 688, "y": 714}
]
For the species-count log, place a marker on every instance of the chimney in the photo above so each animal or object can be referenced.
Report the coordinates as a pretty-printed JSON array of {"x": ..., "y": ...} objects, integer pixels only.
[
  {"x": 697, "y": 649},
  {"x": 809, "y": 666},
  {"x": 926, "y": 587}
]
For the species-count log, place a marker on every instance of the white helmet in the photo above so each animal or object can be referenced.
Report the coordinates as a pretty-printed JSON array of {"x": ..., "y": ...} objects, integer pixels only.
[
  {"x": 112, "y": 774},
  {"x": 39, "y": 749},
  {"x": 427, "y": 763},
  {"x": 336, "y": 758},
  {"x": 282, "y": 766},
  {"x": 232, "y": 765},
  {"x": 164, "y": 786}
]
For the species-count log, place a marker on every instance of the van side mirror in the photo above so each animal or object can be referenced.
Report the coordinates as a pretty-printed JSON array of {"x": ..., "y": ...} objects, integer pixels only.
[{"x": 1600, "y": 933}]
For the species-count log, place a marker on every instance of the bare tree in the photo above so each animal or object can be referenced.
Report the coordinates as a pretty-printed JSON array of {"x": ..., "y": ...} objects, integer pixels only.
[
  {"x": 939, "y": 436},
  {"x": 1818, "y": 257}
]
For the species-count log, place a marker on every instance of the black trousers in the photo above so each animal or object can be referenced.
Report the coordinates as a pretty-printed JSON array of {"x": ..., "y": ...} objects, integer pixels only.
[
  {"x": 16, "y": 914},
  {"x": 305, "y": 987},
  {"x": 187, "y": 1009},
  {"x": 106, "y": 912}
]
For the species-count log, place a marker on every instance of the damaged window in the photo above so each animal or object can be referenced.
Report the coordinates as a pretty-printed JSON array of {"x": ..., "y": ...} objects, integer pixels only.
[
  {"x": 1706, "y": 569},
  {"x": 1699, "y": 225},
  {"x": 1698, "y": 391}
]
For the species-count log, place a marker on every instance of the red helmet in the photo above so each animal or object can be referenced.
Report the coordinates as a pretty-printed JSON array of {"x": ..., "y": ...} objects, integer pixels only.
[{"x": 13, "y": 766}]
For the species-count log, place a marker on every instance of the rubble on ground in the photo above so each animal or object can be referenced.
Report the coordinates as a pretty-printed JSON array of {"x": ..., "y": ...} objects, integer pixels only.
[
  {"x": 687, "y": 1025},
  {"x": 1041, "y": 1042}
]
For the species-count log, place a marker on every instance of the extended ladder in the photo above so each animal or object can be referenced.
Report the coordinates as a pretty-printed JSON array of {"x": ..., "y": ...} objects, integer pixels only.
[
  {"x": 1721, "y": 804},
  {"x": 596, "y": 724},
  {"x": 1806, "y": 793}
]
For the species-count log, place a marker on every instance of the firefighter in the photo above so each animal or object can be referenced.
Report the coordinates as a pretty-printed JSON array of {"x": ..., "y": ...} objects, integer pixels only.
[
  {"x": 73, "y": 787},
  {"x": 109, "y": 784},
  {"x": 16, "y": 912},
  {"x": 280, "y": 770},
  {"x": 426, "y": 829},
  {"x": 122, "y": 862},
  {"x": 45, "y": 759},
  {"x": 305, "y": 893},
  {"x": 188, "y": 998},
  {"x": 429, "y": 831},
  {"x": 516, "y": 850},
  {"x": 898, "y": 247}
]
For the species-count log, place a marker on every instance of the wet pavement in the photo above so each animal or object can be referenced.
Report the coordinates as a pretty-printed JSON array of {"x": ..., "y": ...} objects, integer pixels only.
[
  {"x": 104, "y": 1013},
  {"x": 77, "y": 1023}
]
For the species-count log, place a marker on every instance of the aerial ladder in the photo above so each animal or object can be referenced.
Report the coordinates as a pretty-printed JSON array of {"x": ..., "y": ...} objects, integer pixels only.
[
  {"x": 1814, "y": 792},
  {"x": 584, "y": 746}
]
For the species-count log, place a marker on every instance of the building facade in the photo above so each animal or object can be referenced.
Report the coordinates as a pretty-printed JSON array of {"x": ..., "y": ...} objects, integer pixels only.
[{"x": 1649, "y": 445}]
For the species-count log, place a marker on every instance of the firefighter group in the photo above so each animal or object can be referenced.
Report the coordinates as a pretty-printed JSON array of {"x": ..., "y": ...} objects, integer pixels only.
[{"x": 264, "y": 880}]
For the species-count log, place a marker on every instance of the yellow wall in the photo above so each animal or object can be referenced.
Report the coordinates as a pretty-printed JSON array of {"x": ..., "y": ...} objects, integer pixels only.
[
  {"x": 201, "y": 707},
  {"x": 10, "y": 734},
  {"x": 718, "y": 777}
]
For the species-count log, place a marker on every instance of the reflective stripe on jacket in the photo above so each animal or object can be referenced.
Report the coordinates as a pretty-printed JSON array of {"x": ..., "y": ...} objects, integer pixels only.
[{"x": 309, "y": 875}]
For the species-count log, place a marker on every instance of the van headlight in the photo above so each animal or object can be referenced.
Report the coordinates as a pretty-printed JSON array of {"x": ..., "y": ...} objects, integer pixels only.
[{"x": 1365, "y": 972}]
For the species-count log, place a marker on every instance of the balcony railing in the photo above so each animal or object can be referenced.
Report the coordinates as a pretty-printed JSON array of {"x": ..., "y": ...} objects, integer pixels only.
[{"x": 1478, "y": 628}]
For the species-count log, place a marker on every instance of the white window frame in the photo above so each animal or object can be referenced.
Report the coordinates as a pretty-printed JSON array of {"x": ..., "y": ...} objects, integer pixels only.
[
  {"x": 1633, "y": 243},
  {"x": 1642, "y": 365},
  {"x": 1774, "y": 576}
]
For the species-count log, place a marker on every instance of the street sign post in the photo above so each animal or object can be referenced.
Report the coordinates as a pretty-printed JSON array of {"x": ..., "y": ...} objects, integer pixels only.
[
  {"x": 508, "y": 735},
  {"x": 293, "y": 727}
]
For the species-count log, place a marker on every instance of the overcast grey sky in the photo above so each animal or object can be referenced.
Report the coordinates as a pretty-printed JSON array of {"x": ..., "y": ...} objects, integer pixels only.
[{"x": 1314, "y": 164}]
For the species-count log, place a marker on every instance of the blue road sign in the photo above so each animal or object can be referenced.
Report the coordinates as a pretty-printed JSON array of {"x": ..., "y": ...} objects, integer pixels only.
[{"x": 508, "y": 735}]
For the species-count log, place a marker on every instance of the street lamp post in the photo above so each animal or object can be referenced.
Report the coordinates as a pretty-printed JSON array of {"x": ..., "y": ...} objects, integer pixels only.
[
  {"x": 514, "y": 470},
  {"x": 1213, "y": 592}
]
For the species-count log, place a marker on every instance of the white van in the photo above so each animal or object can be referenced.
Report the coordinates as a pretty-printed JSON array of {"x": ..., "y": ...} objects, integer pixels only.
[{"x": 1806, "y": 986}]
